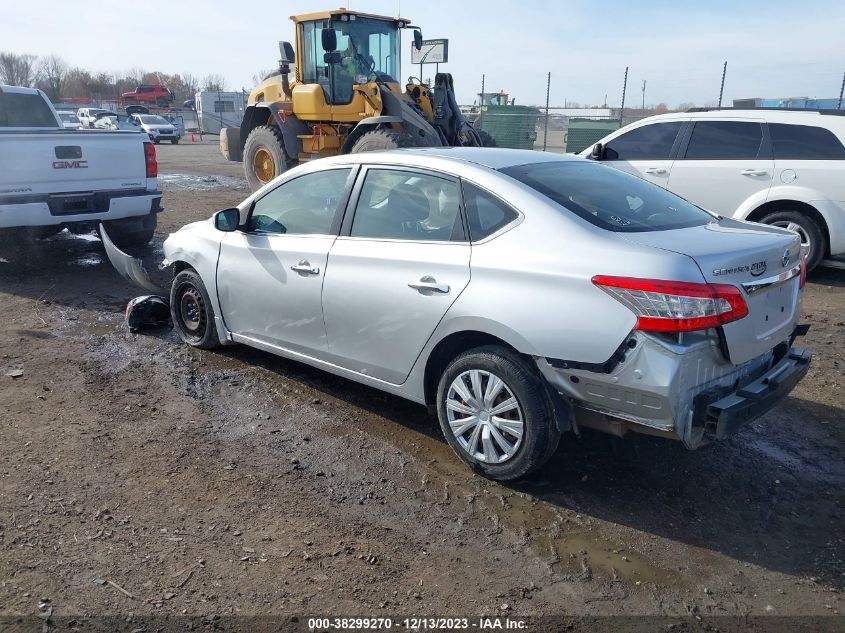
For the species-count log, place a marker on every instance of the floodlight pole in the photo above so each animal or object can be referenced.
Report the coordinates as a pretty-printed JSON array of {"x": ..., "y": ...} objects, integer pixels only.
[
  {"x": 841, "y": 91},
  {"x": 546, "y": 126},
  {"x": 481, "y": 103},
  {"x": 722, "y": 87},
  {"x": 624, "y": 88}
]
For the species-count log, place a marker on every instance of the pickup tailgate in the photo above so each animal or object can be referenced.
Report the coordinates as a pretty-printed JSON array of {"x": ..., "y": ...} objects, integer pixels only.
[
  {"x": 764, "y": 262},
  {"x": 51, "y": 162}
]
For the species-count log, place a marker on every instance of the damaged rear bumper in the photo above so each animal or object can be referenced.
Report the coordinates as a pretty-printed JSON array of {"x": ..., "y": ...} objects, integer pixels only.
[{"x": 721, "y": 416}]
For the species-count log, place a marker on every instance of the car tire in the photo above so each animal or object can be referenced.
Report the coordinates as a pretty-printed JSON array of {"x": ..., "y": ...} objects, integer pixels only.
[
  {"x": 812, "y": 235},
  {"x": 521, "y": 382},
  {"x": 156, "y": 141},
  {"x": 174, "y": 141},
  {"x": 486, "y": 139},
  {"x": 191, "y": 311},
  {"x": 131, "y": 232}
]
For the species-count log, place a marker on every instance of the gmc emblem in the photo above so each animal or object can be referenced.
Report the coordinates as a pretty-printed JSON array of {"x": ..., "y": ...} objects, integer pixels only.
[{"x": 70, "y": 164}]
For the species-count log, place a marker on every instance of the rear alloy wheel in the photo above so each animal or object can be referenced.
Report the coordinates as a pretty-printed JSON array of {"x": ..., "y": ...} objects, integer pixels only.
[
  {"x": 812, "y": 237},
  {"x": 191, "y": 311},
  {"x": 494, "y": 413},
  {"x": 264, "y": 156}
]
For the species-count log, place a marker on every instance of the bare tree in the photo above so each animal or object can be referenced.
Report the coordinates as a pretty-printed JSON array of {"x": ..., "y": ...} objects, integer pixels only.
[
  {"x": 261, "y": 75},
  {"x": 52, "y": 71},
  {"x": 190, "y": 84},
  {"x": 213, "y": 83},
  {"x": 18, "y": 70}
]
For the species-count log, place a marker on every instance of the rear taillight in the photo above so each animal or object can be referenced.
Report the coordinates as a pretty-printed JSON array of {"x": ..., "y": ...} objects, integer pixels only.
[
  {"x": 675, "y": 306},
  {"x": 803, "y": 278},
  {"x": 150, "y": 158}
]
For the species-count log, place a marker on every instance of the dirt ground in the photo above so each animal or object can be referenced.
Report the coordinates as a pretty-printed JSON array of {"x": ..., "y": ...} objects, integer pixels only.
[{"x": 140, "y": 477}]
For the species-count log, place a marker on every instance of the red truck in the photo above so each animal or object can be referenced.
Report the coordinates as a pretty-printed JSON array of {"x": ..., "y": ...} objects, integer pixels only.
[{"x": 150, "y": 93}]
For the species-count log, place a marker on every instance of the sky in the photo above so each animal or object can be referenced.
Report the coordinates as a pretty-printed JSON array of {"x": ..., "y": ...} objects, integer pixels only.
[{"x": 773, "y": 48}]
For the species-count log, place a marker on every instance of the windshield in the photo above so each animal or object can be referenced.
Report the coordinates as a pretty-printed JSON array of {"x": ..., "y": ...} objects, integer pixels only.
[
  {"x": 609, "y": 198},
  {"x": 122, "y": 118},
  {"x": 68, "y": 117},
  {"x": 368, "y": 48},
  {"x": 152, "y": 118}
]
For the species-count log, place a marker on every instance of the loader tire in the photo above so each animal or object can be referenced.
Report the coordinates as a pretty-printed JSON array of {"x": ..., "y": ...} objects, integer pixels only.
[
  {"x": 264, "y": 156},
  {"x": 486, "y": 139},
  {"x": 382, "y": 140}
]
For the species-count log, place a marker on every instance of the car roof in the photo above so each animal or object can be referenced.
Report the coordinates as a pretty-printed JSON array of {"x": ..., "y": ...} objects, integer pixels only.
[
  {"x": 768, "y": 114},
  {"x": 491, "y": 157}
]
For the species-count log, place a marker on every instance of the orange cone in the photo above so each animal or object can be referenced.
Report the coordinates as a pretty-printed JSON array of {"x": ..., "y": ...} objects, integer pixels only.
[{"x": 193, "y": 140}]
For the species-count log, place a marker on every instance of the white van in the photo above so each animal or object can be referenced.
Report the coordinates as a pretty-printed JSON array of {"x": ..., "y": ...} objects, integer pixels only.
[{"x": 779, "y": 167}]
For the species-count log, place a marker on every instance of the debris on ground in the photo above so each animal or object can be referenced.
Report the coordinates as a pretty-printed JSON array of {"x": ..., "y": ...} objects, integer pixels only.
[{"x": 146, "y": 312}]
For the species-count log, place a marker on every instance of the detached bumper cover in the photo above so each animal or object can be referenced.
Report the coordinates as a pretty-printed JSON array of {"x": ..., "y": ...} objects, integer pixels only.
[{"x": 722, "y": 416}]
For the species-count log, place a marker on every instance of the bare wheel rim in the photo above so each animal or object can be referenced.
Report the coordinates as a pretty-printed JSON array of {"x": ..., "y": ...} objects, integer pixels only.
[
  {"x": 806, "y": 245},
  {"x": 264, "y": 165},
  {"x": 484, "y": 416},
  {"x": 192, "y": 311}
]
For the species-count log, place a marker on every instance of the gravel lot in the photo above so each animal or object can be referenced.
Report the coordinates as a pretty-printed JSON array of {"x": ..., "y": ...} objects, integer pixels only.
[{"x": 138, "y": 476}]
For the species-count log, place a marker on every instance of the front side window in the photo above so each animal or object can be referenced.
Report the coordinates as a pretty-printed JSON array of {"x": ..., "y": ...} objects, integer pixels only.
[
  {"x": 649, "y": 142},
  {"x": 405, "y": 205},
  {"x": 725, "y": 140},
  {"x": 609, "y": 198},
  {"x": 486, "y": 213},
  {"x": 224, "y": 106},
  {"x": 805, "y": 142},
  {"x": 308, "y": 205}
]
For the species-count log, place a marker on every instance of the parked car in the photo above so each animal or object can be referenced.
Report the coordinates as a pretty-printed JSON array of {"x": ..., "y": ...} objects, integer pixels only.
[
  {"x": 87, "y": 116},
  {"x": 69, "y": 119},
  {"x": 189, "y": 103},
  {"x": 52, "y": 178},
  {"x": 158, "y": 128},
  {"x": 519, "y": 294},
  {"x": 150, "y": 93},
  {"x": 136, "y": 109},
  {"x": 778, "y": 167},
  {"x": 116, "y": 122}
]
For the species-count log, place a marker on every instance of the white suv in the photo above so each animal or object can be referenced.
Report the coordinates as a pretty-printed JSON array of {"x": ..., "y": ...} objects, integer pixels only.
[{"x": 779, "y": 167}]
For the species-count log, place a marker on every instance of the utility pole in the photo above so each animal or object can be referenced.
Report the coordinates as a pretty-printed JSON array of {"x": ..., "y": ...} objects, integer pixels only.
[
  {"x": 481, "y": 103},
  {"x": 643, "y": 94},
  {"x": 841, "y": 90},
  {"x": 624, "y": 89},
  {"x": 546, "y": 128},
  {"x": 722, "y": 88}
]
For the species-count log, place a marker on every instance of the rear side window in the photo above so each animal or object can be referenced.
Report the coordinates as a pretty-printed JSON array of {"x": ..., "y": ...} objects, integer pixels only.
[
  {"x": 609, "y": 198},
  {"x": 805, "y": 142},
  {"x": 486, "y": 213},
  {"x": 724, "y": 140},
  {"x": 25, "y": 110},
  {"x": 649, "y": 142}
]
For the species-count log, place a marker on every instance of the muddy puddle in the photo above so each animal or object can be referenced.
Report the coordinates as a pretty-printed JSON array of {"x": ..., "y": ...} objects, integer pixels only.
[{"x": 200, "y": 182}]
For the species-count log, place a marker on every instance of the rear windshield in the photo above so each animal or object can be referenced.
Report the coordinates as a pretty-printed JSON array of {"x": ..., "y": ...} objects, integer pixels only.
[
  {"x": 609, "y": 198},
  {"x": 25, "y": 110}
]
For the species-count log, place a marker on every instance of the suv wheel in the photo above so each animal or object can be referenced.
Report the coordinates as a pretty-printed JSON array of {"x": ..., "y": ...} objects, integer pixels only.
[
  {"x": 191, "y": 311},
  {"x": 494, "y": 413},
  {"x": 812, "y": 236}
]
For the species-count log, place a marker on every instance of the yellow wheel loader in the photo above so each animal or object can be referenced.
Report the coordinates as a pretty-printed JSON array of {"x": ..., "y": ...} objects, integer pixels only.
[{"x": 343, "y": 98}]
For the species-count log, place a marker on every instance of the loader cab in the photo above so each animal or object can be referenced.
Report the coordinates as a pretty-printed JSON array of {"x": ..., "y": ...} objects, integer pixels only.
[{"x": 343, "y": 50}]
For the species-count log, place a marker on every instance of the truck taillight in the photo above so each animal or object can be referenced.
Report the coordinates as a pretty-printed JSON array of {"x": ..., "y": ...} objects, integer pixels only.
[
  {"x": 675, "y": 306},
  {"x": 150, "y": 158}
]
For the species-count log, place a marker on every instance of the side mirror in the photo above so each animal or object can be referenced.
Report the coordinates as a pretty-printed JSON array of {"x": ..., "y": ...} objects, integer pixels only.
[
  {"x": 332, "y": 58},
  {"x": 286, "y": 51},
  {"x": 329, "y": 40},
  {"x": 597, "y": 153},
  {"x": 227, "y": 220},
  {"x": 418, "y": 40}
]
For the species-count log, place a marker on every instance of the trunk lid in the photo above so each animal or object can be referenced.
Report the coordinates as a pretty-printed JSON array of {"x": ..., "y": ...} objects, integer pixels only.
[{"x": 762, "y": 261}]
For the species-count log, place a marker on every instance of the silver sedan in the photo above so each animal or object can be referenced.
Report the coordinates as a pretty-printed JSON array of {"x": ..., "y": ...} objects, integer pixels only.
[{"x": 518, "y": 295}]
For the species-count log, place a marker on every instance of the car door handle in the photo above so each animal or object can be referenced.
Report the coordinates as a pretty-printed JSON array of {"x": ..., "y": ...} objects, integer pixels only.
[
  {"x": 754, "y": 172},
  {"x": 655, "y": 170},
  {"x": 305, "y": 267},
  {"x": 429, "y": 283}
]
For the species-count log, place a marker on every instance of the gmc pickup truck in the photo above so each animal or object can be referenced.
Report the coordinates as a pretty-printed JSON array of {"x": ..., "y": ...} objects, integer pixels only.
[{"x": 52, "y": 178}]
